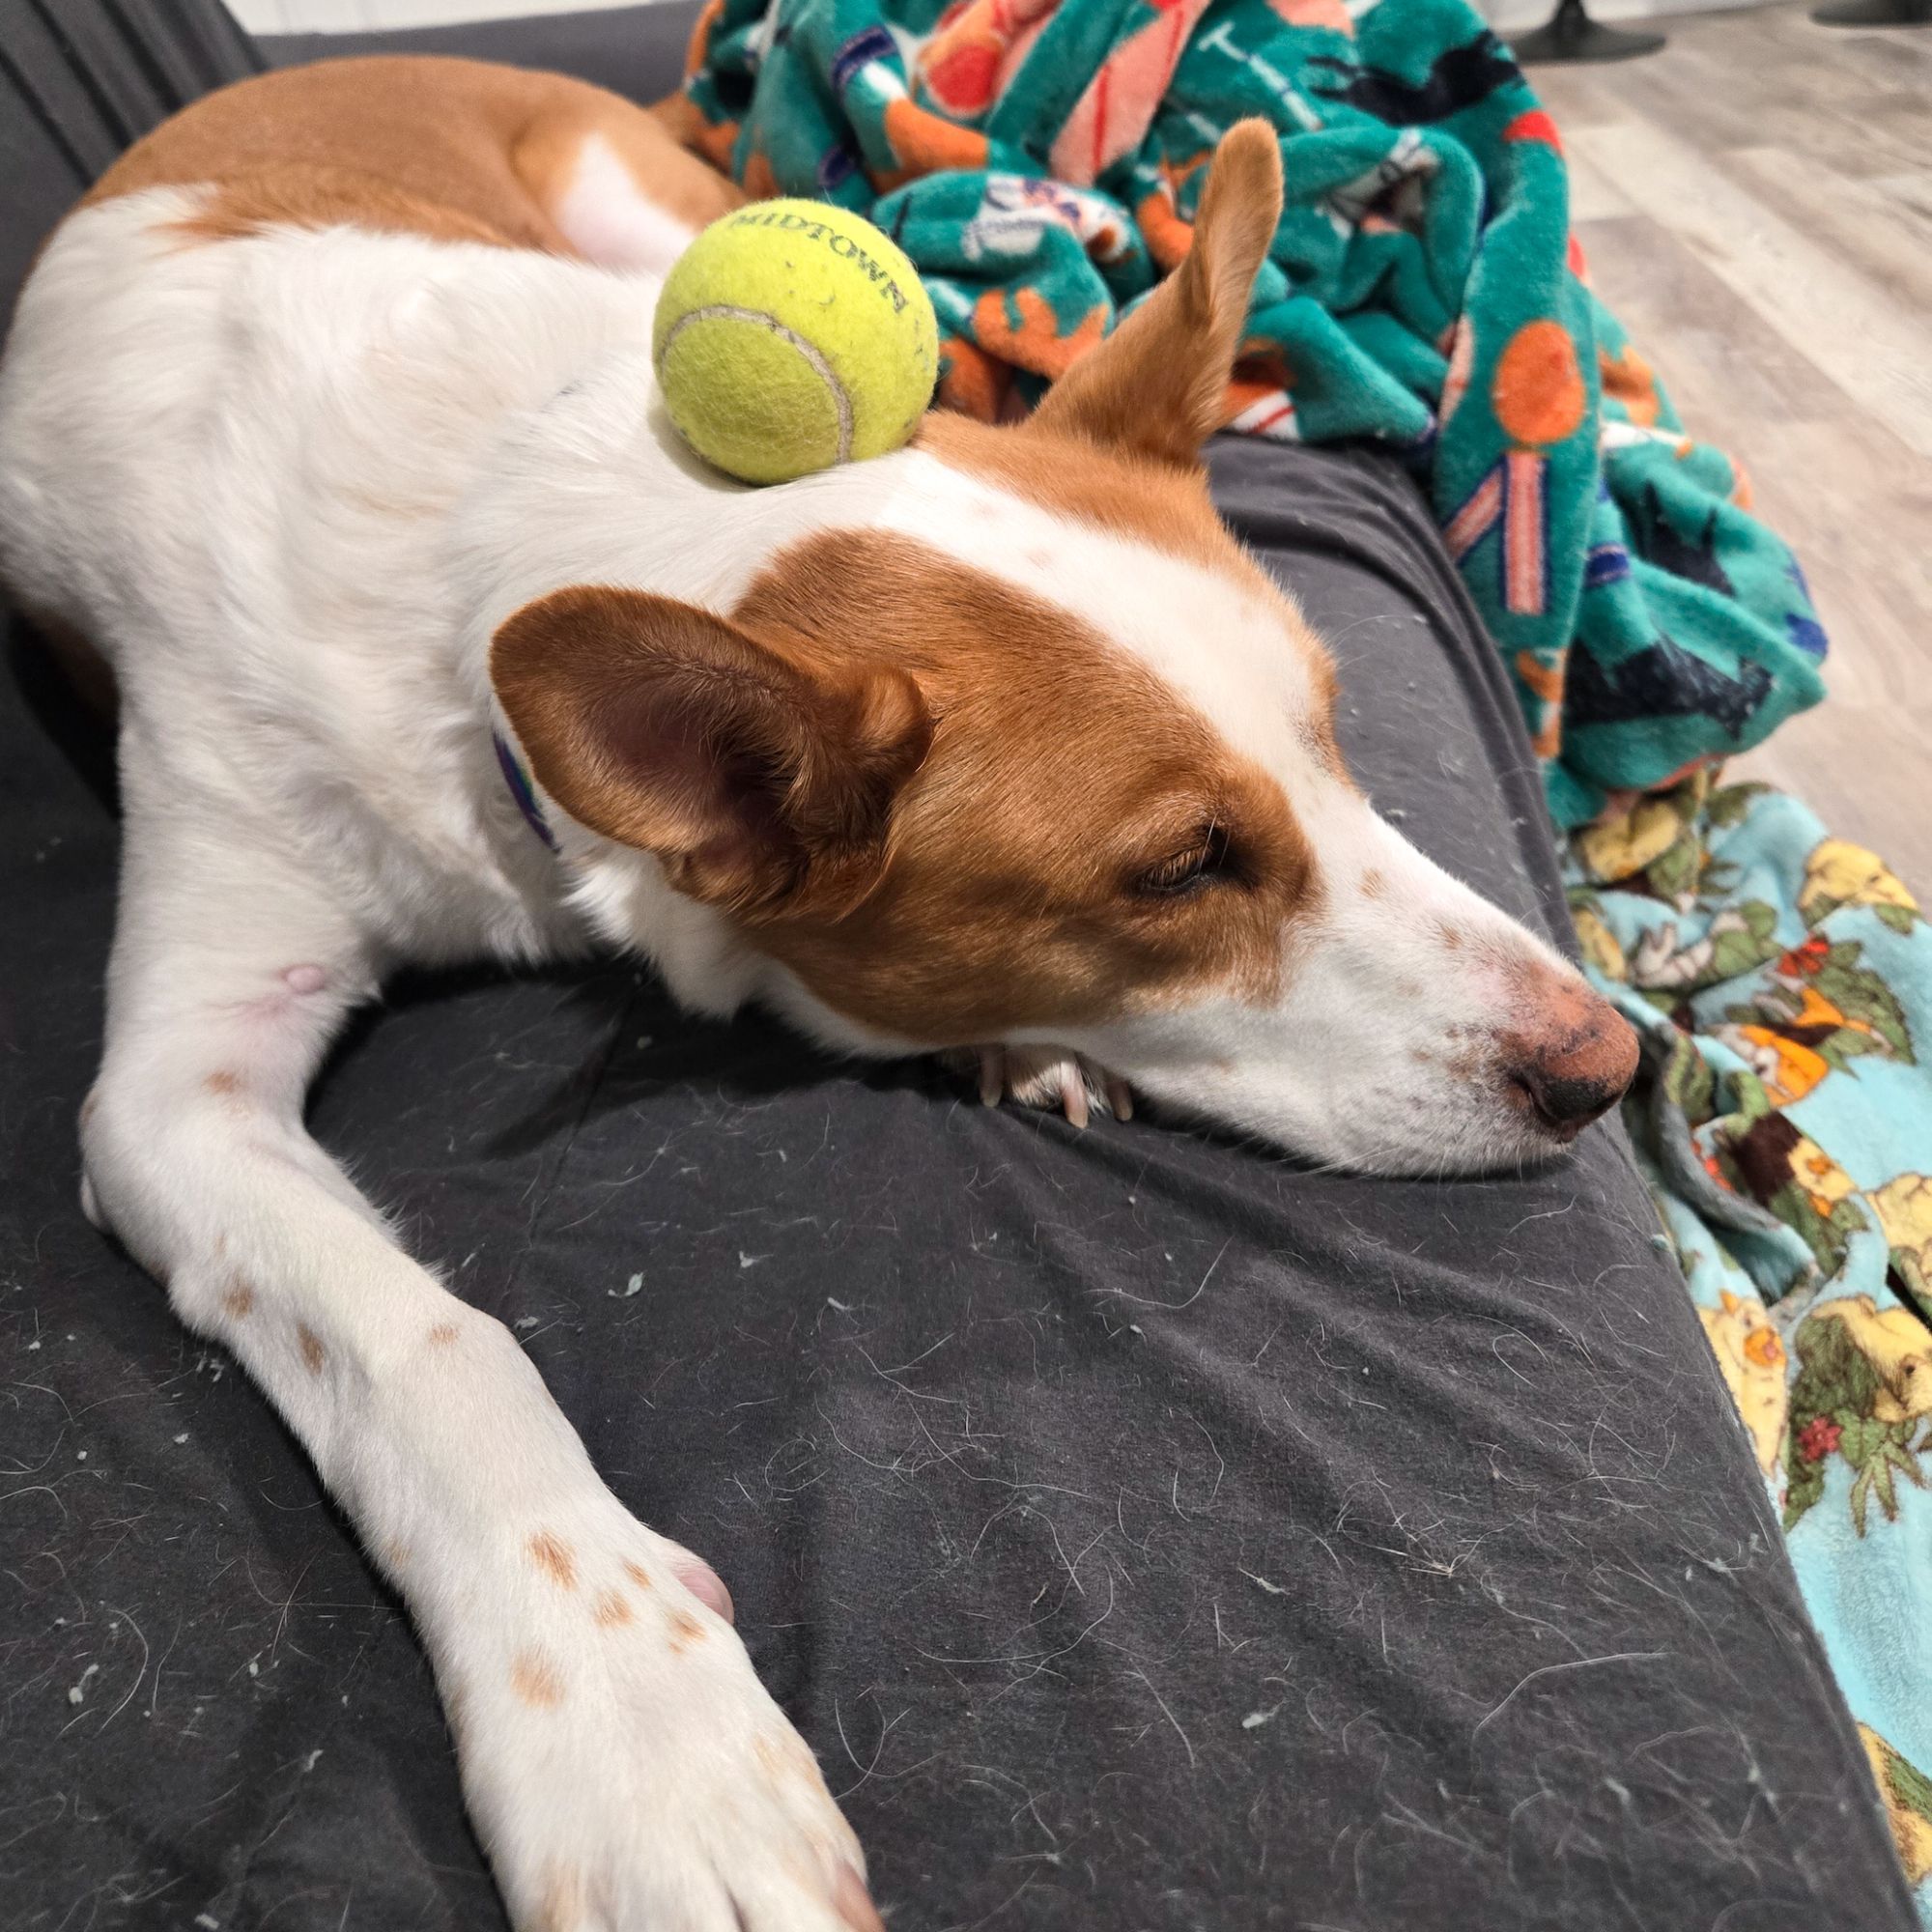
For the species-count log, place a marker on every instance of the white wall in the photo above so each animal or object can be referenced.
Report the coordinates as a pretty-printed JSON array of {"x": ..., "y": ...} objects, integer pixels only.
[{"x": 286, "y": 16}]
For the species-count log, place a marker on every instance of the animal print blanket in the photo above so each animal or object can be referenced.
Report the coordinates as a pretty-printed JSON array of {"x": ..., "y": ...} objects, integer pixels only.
[{"x": 1039, "y": 162}]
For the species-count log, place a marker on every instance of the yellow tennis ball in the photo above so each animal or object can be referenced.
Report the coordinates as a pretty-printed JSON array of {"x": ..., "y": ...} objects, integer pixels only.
[{"x": 792, "y": 335}]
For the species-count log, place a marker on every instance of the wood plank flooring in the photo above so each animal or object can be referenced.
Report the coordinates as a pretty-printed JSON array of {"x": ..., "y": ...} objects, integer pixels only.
[{"x": 1756, "y": 205}]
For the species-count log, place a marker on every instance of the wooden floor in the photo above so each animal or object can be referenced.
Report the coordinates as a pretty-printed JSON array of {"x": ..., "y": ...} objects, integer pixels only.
[{"x": 1756, "y": 206}]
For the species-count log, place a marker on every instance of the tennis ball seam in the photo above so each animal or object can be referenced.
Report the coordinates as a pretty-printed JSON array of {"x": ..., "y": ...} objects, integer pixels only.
[{"x": 761, "y": 318}]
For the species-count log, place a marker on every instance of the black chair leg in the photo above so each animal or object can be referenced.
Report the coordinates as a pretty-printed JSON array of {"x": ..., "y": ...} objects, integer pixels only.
[
  {"x": 1571, "y": 35},
  {"x": 1875, "y": 14}
]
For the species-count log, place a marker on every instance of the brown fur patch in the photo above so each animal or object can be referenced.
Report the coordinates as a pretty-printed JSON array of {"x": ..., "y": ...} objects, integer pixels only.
[
  {"x": 534, "y": 1678},
  {"x": 1319, "y": 728},
  {"x": 552, "y": 1557},
  {"x": 223, "y": 1082},
  {"x": 239, "y": 1300},
  {"x": 614, "y": 1607},
  {"x": 1006, "y": 897},
  {"x": 640, "y": 1576},
  {"x": 443, "y": 1334},
  {"x": 1129, "y": 495},
  {"x": 1451, "y": 936},
  {"x": 1373, "y": 885},
  {"x": 313, "y": 1353},
  {"x": 317, "y": 197},
  {"x": 452, "y": 150},
  {"x": 685, "y": 1630},
  {"x": 946, "y": 898}
]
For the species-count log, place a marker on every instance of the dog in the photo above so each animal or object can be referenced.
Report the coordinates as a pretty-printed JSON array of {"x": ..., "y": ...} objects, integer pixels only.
[{"x": 329, "y": 421}]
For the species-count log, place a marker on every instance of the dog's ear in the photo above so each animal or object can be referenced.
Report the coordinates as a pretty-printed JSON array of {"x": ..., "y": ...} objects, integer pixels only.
[
  {"x": 1157, "y": 386},
  {"x": 758, "y": 779}
]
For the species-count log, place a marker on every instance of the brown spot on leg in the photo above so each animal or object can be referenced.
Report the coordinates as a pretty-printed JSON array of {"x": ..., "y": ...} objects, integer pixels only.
[
  {"x": 685, "y": 1630},
  {"x": 223, "y": 1082},
  {"x": 553, "y": 1558},
  {"x": 534, "y": 1679},
  {"x": 614, "y": 1607},
  {"x": 239, "y": 1300},
  {"x": 443, "y": 1334},
  {"x": 313, "y": 1353},
  {"x": 1372, "y": 884},
  {"x": 395, "y": 1556},
  {"x": 640, "y": 1577},
  {"x": 1451, "y": 935},
  {"x": 561, "y": 1909}
]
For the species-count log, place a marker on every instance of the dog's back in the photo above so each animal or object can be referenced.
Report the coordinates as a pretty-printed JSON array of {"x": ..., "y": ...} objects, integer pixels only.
[
  {"x": 249, "y": 381},
  {"x": 346, "y": 325}
]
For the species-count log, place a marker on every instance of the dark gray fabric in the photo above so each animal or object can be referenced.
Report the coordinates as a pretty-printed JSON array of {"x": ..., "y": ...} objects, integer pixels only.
[
  {"x": 1146, "y": 1532},
  {"x": 639, "y": 51},
  {"x": 81, "y": 79}
]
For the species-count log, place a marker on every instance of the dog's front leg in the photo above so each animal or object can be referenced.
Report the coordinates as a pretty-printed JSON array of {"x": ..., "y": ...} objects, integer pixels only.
[{"x": 625, "y": 1768}]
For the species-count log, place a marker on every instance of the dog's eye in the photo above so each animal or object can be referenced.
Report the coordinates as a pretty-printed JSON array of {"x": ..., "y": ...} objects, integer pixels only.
[{"x": 1199, "y": 862}]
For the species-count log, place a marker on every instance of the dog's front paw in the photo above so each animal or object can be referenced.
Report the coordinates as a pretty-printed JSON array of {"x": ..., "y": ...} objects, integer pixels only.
[
  {"x": 1044, "y": 1076},
  {"x": 626, "y": 1770}
]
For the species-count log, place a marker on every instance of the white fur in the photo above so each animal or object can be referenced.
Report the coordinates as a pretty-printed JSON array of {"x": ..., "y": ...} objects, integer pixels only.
[
  {"x": 606, "y": 218},
  {"x": 291, "y": 485}
]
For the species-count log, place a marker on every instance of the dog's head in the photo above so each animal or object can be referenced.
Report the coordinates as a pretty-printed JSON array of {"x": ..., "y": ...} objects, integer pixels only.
[{"x": 1004, "y": 739}]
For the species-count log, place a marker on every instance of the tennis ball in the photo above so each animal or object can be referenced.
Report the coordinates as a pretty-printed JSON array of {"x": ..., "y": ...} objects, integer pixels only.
[{"x": 792, "y": 335}]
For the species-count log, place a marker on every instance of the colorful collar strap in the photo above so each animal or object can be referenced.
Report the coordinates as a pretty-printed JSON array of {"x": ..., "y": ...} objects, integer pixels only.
[{"x": 517, "y": 778}]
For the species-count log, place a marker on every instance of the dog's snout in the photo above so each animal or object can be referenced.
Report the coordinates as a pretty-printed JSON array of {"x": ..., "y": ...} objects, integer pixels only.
[{"x": 1570, "y": 1057}]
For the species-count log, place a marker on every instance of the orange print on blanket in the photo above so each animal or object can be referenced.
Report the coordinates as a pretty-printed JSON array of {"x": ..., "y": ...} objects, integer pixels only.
[
  {"x": 1535, "y": 125},
  {"x": 1537, "y": 391},
  {"x": 1167, "y": 235},
  {"x": 1035, "y": 341},
  {"x": 974, "y": 383},
  {"x": 1630, "y": 379},
  {"x": 976, "y": 43},
  {"x": 927, "y": 145},
  {"x": 1255, "y": 379}
]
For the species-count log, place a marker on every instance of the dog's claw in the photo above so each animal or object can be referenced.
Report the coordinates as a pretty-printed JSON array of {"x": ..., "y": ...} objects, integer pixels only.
[
  {"x": 1047, "y": 1077},
  {"x": 706, "y": 1585},
  {"x": 992, "y": 1076},
  {"x": 855, "y": 1903}
]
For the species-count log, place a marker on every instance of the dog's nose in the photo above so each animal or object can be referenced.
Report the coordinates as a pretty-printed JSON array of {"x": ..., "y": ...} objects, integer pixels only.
[{"x": 1570, "y": 1056}]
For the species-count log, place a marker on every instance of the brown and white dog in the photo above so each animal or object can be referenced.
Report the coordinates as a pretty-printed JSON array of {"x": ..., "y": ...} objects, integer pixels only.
[{"x": 329, "y": 419}]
